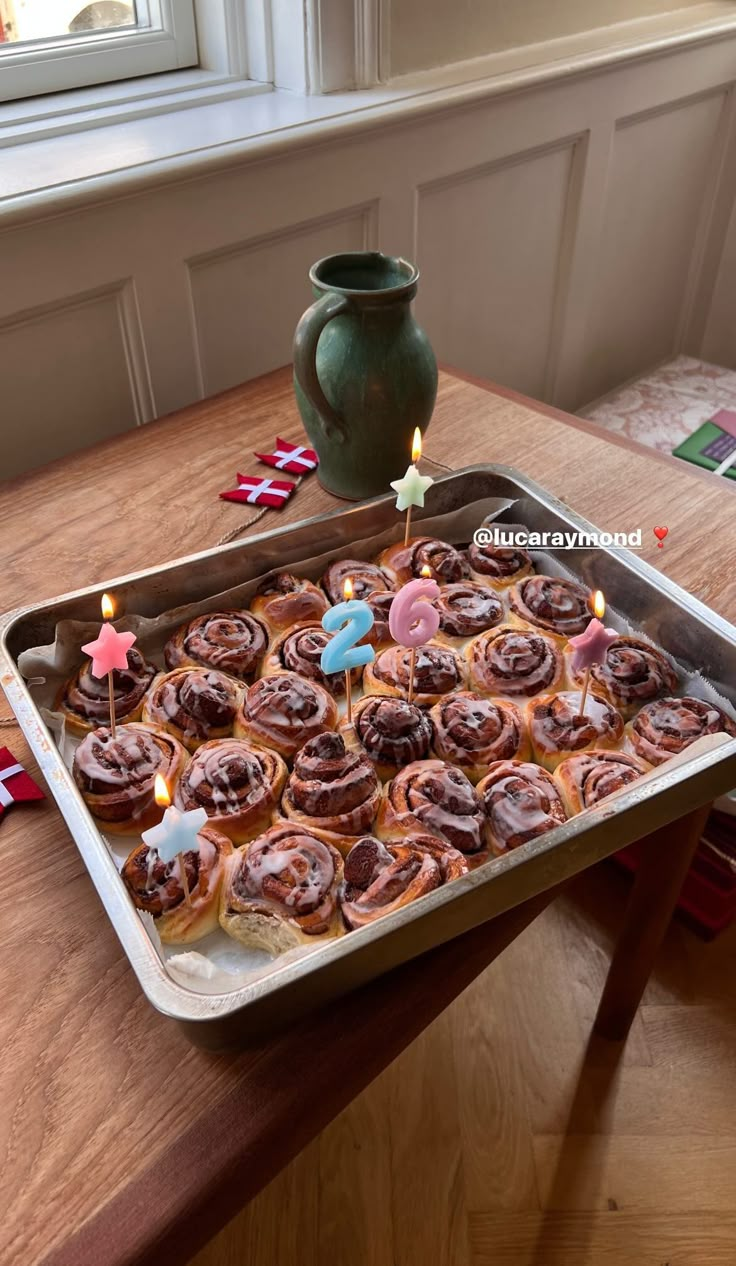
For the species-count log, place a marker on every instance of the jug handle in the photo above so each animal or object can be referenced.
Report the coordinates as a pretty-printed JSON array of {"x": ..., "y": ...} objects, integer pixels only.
[{"x": 306, "y": 339}]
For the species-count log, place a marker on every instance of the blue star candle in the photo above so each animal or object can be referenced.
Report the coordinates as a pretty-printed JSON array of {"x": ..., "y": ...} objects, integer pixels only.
[
  {"x": 412, "y": 487},
  {"x": 350, "y": 621},
  {"x": 176, "y": 833}
]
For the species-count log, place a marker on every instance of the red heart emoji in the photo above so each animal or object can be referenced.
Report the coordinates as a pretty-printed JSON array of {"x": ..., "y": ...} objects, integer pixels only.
[{"x": 660, "y": 533}]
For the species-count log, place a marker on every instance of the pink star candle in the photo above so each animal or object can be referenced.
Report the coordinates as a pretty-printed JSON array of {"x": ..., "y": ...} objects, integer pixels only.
[
  {"x": 108, "y": 652},
  {"x": 412, "y": 620},
  {"x": 591, "y": 646}
]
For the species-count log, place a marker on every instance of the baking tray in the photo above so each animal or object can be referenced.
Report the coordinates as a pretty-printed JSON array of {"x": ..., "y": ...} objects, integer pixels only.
[{"x": 689, "y": 631}]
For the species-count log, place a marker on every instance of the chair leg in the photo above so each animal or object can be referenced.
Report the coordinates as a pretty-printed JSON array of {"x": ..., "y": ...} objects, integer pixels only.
[{"x": 665, "y": 859}]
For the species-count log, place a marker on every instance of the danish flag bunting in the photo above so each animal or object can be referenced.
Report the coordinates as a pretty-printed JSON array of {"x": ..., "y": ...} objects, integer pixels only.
[
  {"x": 256, "y": 491},
  {"x": 293, "y": 458},
  {"x": 15, "y": 784}
]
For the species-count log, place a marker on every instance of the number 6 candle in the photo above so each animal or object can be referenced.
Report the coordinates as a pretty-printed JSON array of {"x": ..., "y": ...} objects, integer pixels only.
[
  {"x": 412, "y": 620},
  {"x": 350, "y": 621}
]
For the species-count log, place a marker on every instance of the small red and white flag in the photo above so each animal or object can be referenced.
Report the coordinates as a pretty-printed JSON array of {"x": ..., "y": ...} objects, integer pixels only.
[
  {"x": 256, "y": 491},
  {"x": 15, "y": 784},
  {"x": 293, "y": 458}
]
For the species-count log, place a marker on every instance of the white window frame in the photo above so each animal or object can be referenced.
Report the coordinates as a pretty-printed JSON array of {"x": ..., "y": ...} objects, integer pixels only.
[{"x": 167, "y": 42}]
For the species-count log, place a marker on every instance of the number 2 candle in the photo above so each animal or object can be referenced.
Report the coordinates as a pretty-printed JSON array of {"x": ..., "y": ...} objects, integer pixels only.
[{"x": 350, "y": 621}]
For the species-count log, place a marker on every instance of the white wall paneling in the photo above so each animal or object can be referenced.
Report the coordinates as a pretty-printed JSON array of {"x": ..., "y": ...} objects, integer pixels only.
[
  {"x": 569, "y": 234},
  {"x": 261, "y": 285},
  {"x": 84, "y": 350}
]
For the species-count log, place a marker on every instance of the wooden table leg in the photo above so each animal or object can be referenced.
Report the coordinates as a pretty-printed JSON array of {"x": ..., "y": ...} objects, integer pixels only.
[{"x": 665, "y": 859}]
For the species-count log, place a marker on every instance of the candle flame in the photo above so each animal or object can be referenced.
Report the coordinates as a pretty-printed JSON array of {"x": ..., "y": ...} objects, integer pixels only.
[
  {"x": 161, "y": 791},
  {"x": 599, "y": 604},
  {"x": 108, "y": 607},
  {"x": 426, "y": 572},
  {"x": 347, "y": 589},
  {"x": 416, "y": 448}
]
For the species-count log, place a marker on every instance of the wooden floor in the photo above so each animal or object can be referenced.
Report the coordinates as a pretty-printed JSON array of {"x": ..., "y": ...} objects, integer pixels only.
[{"x": 503, "y": 1137}]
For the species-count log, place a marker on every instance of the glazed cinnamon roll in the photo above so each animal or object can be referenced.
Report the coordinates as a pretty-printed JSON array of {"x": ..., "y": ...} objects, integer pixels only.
[
  {"x": 557, "y": 728},
  {"x": 331, "y": 790},
  {"x": 84, "y": 700},
  {"x": 438, "y": 670},
  {"x": 634, "y": 673},
  {"x": 556, "y": 606},
  {"x": 381, "y": 878},
  {"x": 284, "y": 711},
  {"x": 232, "y": 642},
  {"x": 513, "y": 661},
  {"x": 668, "y": 726},
  {"x": 388, "y": 730},
  {"x": 282, "y": 891},
  {"x": 299, "y": 651},
  {"x": 193, "y": 704},
  {"x": 434, "y": 797},
  {"x": 586, "y": 779},
  {"x": 471, "y": 731},
  {"x": 405, "y": 562},
  {"x": 521, "y": 803},
  {"x": 116, "y": 775},
  {"x": 157, "y": 887},
  {"x": 498, "y": 566},
  {"x": 366, "y": 577},
  {"x": 239, "y": 786},
  {"x": 283, "y": 600},
  {"x": 467, "y": 609},
  {"x": 380, "y": 605}
]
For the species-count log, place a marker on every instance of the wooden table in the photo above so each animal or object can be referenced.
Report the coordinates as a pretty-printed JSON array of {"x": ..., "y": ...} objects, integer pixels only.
[{"x": 121, "y": 1143}]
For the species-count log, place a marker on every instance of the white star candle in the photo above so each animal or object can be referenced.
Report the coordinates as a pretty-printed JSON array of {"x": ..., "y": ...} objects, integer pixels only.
[{"x": 412, "y": 487}]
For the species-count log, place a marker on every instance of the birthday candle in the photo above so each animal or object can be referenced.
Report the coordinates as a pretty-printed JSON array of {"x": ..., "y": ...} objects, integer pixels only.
[
  {"x": 108, "y": 652},
  {"x": 176, "y": 833},
  {"x": 350, "y": 621},
  {"x": 412, "y": 487},
  {"x": 591, "y": 646},
  {"x": 412, "y": 620}
]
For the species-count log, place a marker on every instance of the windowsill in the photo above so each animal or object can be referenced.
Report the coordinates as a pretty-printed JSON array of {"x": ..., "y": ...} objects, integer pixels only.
[{"x": 192, "y": 127}]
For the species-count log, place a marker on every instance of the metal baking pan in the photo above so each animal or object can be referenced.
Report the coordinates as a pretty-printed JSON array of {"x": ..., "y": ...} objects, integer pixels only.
[{"x": 689, "y": 631}]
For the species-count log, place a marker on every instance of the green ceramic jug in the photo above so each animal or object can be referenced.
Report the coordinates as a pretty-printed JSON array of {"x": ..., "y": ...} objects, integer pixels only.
[{"x": 365, "y": 374}]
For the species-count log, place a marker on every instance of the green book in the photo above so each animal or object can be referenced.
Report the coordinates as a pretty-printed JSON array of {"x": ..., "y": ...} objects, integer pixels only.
[{"x": 709, "y": 446}]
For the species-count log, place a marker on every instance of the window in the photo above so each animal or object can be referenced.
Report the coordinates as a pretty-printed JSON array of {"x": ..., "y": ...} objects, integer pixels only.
[{"x": 52, "y": 45}]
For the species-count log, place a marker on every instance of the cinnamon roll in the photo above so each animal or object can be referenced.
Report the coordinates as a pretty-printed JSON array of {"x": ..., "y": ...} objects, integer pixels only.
[
  {"x": 284, "y": 711},
  {"x": 634, "y": 672},
  {"x": 381, "y": 878},
  {"x": 299, "y": 651},
  {"x": 283, "y": 600},
  {"x": 331, "y": 790},
  {"x": 467, "y": 609},
  {"x": 157, "y": 887},
  {"x": 586, "y": 779},
  {"x": 281, "y": 891},
  {"x": 557, "y": 728},
  {"x": 116, "y": 775},
  {"x": 405, "y": 562},
  {"x": 438, "y": 670},
  {"x": 390, "y": 731},
  {"x": 668, "y": 726},
  {"x": 380, "y": 604},
  {"x": 556, "y": 606},
  {"x": 471, "y": 731},
  {"x": 521, "y": 803},
  {"x": 84, "y": 700},
  {"x": 239, "y": 786},
  {"x": 498, "y": 565},
  {"x": 193, "y": 704},
  {"x": 232, "y": 642},
  {"x": 366, "y": 577},
  {"x": 513, "y": 661},
  {"x": 434, "y": 797}
]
